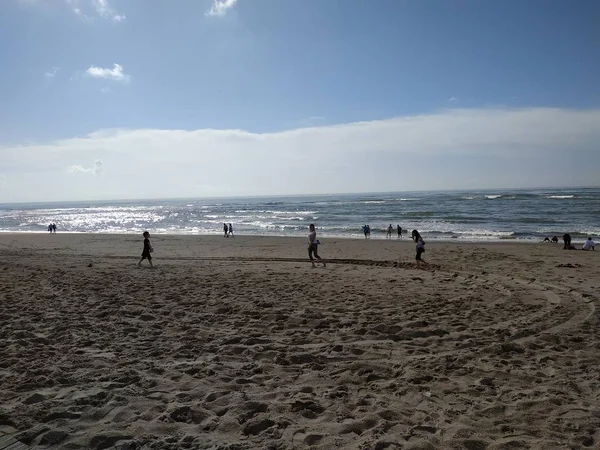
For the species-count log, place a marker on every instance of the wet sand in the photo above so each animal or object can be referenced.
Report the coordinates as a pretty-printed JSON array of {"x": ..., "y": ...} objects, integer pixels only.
[{"x": 240, "y": 344}]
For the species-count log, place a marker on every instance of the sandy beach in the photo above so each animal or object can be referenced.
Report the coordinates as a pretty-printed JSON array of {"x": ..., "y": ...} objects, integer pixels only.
[{"x": 238, "y": 343}]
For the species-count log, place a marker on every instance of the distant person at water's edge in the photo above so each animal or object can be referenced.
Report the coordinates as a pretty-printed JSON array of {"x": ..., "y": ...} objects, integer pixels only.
[
  {"x": 230, "y": 227},
  {"x": 313, "y": 246},
  {"x": 390, "y": 229},
  {"x": 399, "y": 231},
  {"x": 364, "y": 228},
  {"x": 555, "y": 240},
  {"x": 225, "y": 230},
  {"x": 54, "y": 228},
  {"x": 146, "y": 253},
  {"x": 369, "y": 231},
  {"x": 567, "y": 241}
]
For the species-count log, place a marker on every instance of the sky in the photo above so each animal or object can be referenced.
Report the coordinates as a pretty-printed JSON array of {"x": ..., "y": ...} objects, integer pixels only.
[{"x": 119, "y": 99}]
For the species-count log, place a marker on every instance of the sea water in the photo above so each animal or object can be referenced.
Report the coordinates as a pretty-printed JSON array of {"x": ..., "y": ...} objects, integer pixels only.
[{"x": 450, "y": 215}]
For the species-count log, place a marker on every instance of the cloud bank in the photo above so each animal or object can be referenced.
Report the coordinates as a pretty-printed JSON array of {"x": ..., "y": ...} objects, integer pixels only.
[{"x": 451, "y": 149}]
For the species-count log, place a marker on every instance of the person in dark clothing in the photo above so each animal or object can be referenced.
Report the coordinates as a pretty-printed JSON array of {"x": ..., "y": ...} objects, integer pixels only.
[
  {"x": 146, "y": 253},
  {"x": 399, "y": 231},
  {"x": 555, "y": 240},
  {"x": 567, "y": 241},
  {"x": 420, "y": 250},
  {"x": 225, "y": 230}
]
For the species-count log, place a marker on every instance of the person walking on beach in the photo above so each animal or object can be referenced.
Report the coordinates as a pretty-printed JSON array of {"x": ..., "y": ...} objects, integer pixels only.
[
  {"x": 365, "y": 230},
  {"x": 146, "y": 253},
  {"x": 399, "y": 231},
  {"x": 390, "y": 229},
  {"x": 50, "y": 228},
  {"x": 567, "y": 241},
  {"x": 420, "y": 250},
  {"x": 54, "y": 228},
  {"x": 369, "y": 231},
  {"x": 230, "y": 227},
  {"x": 313, "y": 246},
  {"x": 415, "y": 235},
  {"x": 225, "y": 230}
]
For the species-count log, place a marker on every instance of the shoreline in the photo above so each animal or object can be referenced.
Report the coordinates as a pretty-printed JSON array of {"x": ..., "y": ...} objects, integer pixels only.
[{"x": 405, "y": 238}]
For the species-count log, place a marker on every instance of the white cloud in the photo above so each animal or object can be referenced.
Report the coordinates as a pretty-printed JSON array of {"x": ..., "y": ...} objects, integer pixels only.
[
  {"x": 453, "y": 99},
  {"x": 450, "y": 149},
  {"x": 116, "y": 73},
  {"x": 90, "y": 9},
  {"x": 220, "y": 7},
  {"x": 106, "y": 11},
  {"x": 52, "y": 73},
  {"x": 96, "y": 170}
]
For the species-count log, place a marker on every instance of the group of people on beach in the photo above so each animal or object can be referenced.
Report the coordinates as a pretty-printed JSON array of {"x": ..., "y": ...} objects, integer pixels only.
[
  {"x": 390, "y": 230},
  {"x": 313, "y": 243},
  {"x": 589, "y": 244},
  {"x": 52, "y": 228},
  {"x": 228, "y": 230}
]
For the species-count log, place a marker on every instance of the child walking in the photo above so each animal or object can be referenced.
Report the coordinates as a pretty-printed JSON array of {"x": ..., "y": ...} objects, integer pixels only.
[
  {"x": 420, "y": 250},
  {"x": 146, "y": 253}
]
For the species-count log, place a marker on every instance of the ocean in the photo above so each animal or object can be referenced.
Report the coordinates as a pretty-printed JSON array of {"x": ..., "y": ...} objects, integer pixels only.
[{"x": 524, "y": 215}]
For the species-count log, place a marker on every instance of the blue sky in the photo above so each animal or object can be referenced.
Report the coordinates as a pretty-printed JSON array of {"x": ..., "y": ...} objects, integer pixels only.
[{"x": 482, "y": 85}]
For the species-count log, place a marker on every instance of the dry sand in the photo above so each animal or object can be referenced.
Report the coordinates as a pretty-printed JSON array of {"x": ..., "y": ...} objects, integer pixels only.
[{"x": 240, "y": 344}]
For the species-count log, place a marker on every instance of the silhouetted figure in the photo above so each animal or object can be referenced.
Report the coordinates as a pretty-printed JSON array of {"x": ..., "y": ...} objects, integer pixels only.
[
  {"x": 567, "y": 241},
  {"x": 399, "y": 231},
  {"x": 555, "y": 240},
  {"x": 390, "y": 229},
  {"x": 230, "y": 230},
  {"x": 313, "y": 246},
  {"x": 146, "y": 253},
  {"x": 225, "y": 230}
]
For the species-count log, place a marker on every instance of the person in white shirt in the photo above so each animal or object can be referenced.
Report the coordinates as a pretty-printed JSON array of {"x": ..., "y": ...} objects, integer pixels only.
[
  {"x": 589, "y": 244},
  {"x": 313, "y": 246}
]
